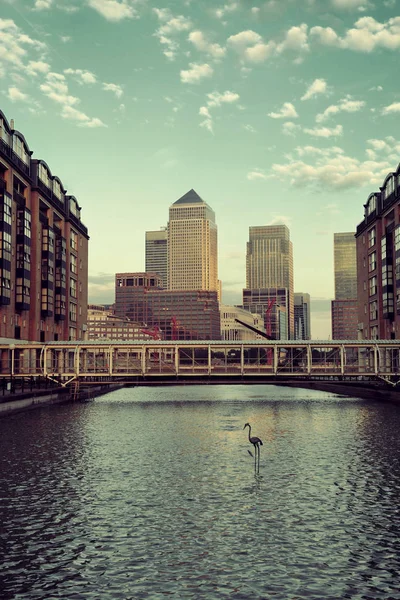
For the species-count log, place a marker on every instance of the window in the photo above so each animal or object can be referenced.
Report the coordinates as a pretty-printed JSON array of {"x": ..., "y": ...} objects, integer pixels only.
[
  {"x": 44, "y": 175},
  {"x": 74, "y": 240},
  {"x": 373, "y": 286},
  {"x": 372, "y": 261},
  {"x": 371, "y": 205},
  {"x": 373, "y": 310},
  {"x": 72, "y": 288},
  {"x": 72, "y": 264},
  {"x": 57, "y": 189},
  {"x": 371, "y": 237},
  {"x": 19, "y": 149},
  {"x": 72, "y": 311}
]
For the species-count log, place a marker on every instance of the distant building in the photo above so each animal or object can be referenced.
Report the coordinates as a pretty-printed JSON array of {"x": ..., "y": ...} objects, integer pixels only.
[
  {"x": 269, "y": 265},
  {"x": 179, "y": 314},
  {"x": 273, "y": 305},
  {"x": 103, "y": 324},
  {"x": 232, "y": 330},
  {"x": 378, "y": 262},
  {"x": 302, "y": 316},
  {"x": 156, "y": 257},
  {"x": 192, "y": 245},
  {"x": 43, "y": 248},
  {"x": 344, "y": 318}
]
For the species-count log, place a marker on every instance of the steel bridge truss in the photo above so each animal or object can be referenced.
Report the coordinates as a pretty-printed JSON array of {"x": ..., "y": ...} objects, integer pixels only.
[{"x": 66, "y": 362}]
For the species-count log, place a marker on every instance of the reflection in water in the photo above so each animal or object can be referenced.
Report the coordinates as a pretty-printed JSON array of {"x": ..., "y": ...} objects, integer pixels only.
[{"x": 147, "y": 493}]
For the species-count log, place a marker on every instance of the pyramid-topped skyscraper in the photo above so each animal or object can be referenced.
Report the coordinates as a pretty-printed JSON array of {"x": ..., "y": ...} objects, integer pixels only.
[{"x": 192, "y": 245}]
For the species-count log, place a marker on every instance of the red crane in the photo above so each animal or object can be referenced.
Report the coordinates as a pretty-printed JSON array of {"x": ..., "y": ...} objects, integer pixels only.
[
  {"x": 268, "y": 325},
  {"x": 154, "y": 332},
  {"x": 174, "y": 328}
]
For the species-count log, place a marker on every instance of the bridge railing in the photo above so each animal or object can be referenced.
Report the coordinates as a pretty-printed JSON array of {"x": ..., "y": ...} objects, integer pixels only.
[{"x": 64, "y": 361}]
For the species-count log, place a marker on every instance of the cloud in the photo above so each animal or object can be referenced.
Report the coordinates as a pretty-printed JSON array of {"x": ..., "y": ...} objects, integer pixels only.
[
  {"x": 113, "y": 10},
  {"x": 351, "y": 4},
  {"x": 56, "y": 89},
  {"x": 287, "y": 111},
  {"x": 256, "y": 174},
  {"x": 227, "y": 8},
  {"x": 82, "y": 76},
  {"x": 15, "y": 95},
  {"x": 68, "y": 112},
  {"x": 345, "y": 105},
  {"x": 331, "y": 171},
  {"x": 251, "y": 47},
  {"x": 35, "y": 67},
  {"x": 290, "y": 128},
  {"x": 16, "y": 47},
  {"x": 296, "y": 40},
  {"x": 366, "y": 35},
  {"x": 392, "y": 108},
  {"x": 171, "y": 26},
  {"x": 200, "y": 42},
  {"x": 325, "y": 132},
  {"x": 280, "y": 220},
  {"x": 113, "y": 87},
  {"x": 318, "y": 86},
  {"x": 43, "y": 4},
  {"x": 215, "y": 100},
  {"x": 196, "y": 73}
]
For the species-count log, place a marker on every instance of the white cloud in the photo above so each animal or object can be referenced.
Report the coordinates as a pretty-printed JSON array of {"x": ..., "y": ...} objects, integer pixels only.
[
  {"x": 113, "y": 10},
  {"x": 376, "y": 88},
  {"x": 256, "y": 174},
  {"x": 392, "y": 108},
  {"x": 366, "y": 35},
  {"x": 296, "y": 40},
  {"x": 290, "y": 128},
  {"x": 227, "y": 8},
  {"x": 287, "y": 111},
  {"x": 56, "y": 89},
  {"x": 16, "y": 46},
  {"x": 196, "y": 73},
  {"x": 251, "y": 47},
  {"x": 113, "y": 87},
  {"x": 215, "y": 100},
  {"x": 82, "y": 76},
  {"x": 68, "y": 112},
  {"x": 171, "y": 26},
  {"x": 43, "y": 4},
  {"x": 325, "y": 132},
  {"x": 318, "y": 86},
  {"x": 201, "y": 43},
  {"x": 332, "y": 171},
  {"x": 345, "y": 105},
  {"x": 35, "y": 67},
  {"x": 15, "y": 95},
  {"x": 351, "y": 4}
]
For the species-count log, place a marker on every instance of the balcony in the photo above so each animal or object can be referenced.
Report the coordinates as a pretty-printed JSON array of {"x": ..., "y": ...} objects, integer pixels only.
[
  {"x": 19, "y": 198},
  {"x": 46, "y": 191},
  {"x": 5, "y": 149}
]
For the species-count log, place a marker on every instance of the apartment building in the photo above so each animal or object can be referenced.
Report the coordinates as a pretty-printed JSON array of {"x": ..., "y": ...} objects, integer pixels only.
[{"x": 43, "y": 248}]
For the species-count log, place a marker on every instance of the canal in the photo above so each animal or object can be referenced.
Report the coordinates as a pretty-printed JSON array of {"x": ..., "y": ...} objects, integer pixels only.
[{"x": 151, "y": 493}]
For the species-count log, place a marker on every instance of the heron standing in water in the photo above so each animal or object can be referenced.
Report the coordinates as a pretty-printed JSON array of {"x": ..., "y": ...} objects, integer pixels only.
[{"x": 256, "y": 443}]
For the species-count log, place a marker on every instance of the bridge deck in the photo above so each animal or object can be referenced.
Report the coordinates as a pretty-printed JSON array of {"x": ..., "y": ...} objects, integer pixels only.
[{"x": 66, "y": 361}]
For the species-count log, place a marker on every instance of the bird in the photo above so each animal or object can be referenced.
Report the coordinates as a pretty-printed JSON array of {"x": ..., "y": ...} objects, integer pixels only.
[{"x": 256, "y": 443}]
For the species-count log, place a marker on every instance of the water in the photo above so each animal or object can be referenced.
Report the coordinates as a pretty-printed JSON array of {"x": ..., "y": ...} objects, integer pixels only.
[{"x": 151, "y": 493}]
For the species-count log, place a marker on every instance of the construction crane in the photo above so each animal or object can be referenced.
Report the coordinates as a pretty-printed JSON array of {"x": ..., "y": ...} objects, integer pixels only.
[
  {"x": 262, "y": 333},
  {"x": 154, "y": 332}
]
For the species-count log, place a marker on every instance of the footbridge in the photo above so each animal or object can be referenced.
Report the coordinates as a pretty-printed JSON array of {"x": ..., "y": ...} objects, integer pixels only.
[{"x": 263, "y": 361}]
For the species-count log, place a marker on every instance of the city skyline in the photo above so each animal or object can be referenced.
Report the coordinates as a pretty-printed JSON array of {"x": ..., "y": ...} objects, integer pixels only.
[{"x": 254, "y": 106}]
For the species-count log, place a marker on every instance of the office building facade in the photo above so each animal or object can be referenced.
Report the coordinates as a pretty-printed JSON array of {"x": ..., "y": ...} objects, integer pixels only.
[
  {"x": 269, "y": 266},
  {"x": 156, "y": 254},
  {"x": 302, "y": 316},
  {"x": 43, "y": 248},
  {"x": 273, "y": 305},
  {"x": 378, "y": 262},
  {"x": 192, "y": 245},
  {"x": 176, "y": 314},
  {"x": 103, "y": 324},
  {"x": 236, "y": 324},
  {"x": 343, "y": 313}
]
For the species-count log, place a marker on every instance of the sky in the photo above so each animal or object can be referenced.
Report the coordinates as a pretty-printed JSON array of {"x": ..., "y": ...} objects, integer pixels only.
[{"x": 279, "y": 111}]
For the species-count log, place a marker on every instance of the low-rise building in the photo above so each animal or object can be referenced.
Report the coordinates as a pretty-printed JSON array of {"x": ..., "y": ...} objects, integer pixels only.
[
  {"x": 236, "y": 323},
  {"x": 105, "y": 325}
]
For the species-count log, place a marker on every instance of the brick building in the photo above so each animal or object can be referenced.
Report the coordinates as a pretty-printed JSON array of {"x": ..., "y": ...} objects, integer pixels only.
[{"x": 43, "y": 248}]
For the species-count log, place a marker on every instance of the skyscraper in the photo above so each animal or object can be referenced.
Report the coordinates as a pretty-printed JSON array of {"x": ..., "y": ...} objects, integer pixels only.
[
  {"x": 156, "y": 254},
  {"x": 269, "y": 264},
  {"x": 344, "y": 307},
  {"x": 302, "y": 320},
  {"x": 192, "y": 245},
  {"x": 345, "y": 265}
]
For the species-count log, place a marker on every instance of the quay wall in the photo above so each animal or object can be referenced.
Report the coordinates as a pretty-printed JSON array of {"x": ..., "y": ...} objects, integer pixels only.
[{"x": 31, "y": 400}]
